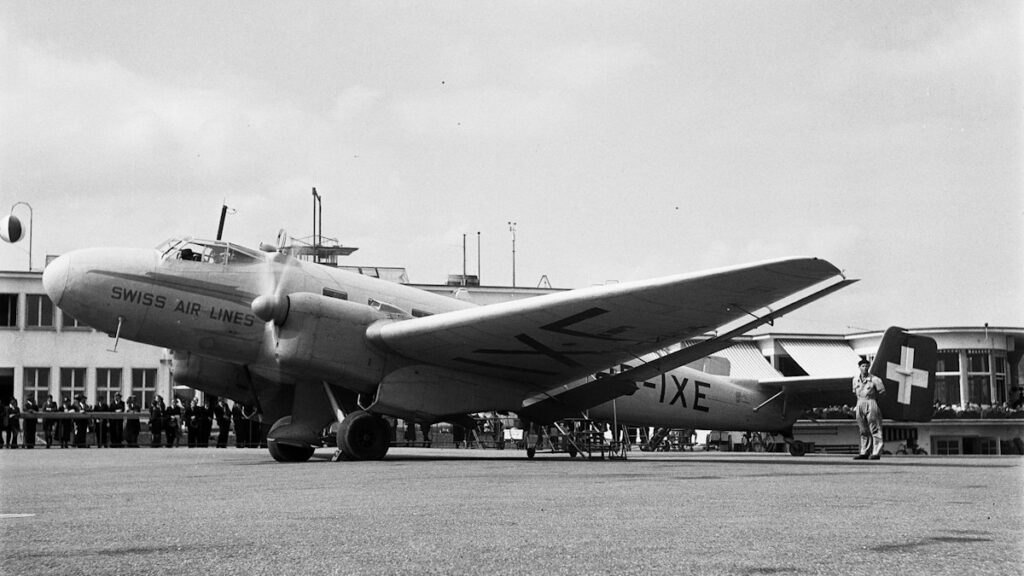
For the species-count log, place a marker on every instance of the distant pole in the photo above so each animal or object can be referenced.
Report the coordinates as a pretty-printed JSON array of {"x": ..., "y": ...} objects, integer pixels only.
[
  {"x": 220, "y": 227},
  {"x": 512, "y": 229},
  {"x": 316, "y": 240},
  {"x": 463, "y": 259},
  {"x": 478, "y": 281}
]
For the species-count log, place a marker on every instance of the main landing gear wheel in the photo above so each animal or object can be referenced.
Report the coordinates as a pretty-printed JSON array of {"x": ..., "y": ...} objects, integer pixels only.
[
  {"x": 363, "y": 436},
  {"x": 286, "y": 452}
]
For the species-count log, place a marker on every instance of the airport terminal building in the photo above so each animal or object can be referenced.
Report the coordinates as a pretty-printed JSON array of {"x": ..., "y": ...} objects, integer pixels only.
[{"x": 43, "y": 351}]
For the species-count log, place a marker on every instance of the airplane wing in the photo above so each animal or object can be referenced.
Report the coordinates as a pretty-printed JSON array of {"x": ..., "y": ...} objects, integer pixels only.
[{"x": 561, "y": 337}]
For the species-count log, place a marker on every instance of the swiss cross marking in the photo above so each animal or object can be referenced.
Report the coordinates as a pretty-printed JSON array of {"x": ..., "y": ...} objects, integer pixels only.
[{"x": 906, "y": 375}]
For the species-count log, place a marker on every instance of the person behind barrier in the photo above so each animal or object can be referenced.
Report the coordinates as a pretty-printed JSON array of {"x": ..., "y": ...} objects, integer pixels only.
[
  {"x": 172, "y": 422},
  {"x": 101, "y": 425},
  {"x": 133, "y": 426},
  {"x": 81, "y": 424},
  {"x": 12, "y": 424},
  {"x": 241, "y": 425},
  {"x": 156, "y": 421},
  {"x": 64, "y": 426},
  {"x": 29, "y": 409},
  {"x": 222, "y": 413},
  {"x": 191, "y": 417},
  {"x": 205, "y": 423},
  {"x": 868, "y": 388},
  {"x": 117, "y": 423},
  {"x": 49, "y": 407}
]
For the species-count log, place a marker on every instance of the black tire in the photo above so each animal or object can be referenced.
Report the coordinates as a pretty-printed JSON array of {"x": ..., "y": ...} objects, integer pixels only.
[
  {"x": 530, "y": 452},
  {"x": 287, "y": 452},
  {"x": 797, "y": 448},
  {"x": 572, "y": 451},
  {"x": 364, "y": 436}
]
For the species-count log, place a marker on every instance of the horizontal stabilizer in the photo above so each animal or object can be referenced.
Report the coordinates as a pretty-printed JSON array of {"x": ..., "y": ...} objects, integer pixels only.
[{"x": 570, "y": 400}]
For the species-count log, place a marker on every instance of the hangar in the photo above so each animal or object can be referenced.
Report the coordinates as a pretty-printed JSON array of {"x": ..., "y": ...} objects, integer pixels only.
[{"x": 43, "y": 351}]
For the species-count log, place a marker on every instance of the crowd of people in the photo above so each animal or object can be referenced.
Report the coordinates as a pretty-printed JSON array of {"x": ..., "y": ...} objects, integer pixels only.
[
  {"x": 941, "y": 411},
  {"x": 167, "y": 425}
]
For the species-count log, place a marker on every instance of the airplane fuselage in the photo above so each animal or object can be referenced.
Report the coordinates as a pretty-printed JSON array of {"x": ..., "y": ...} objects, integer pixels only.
[
  {"x": 205, "y": 307},
  {"x": 689, "y": 398}
]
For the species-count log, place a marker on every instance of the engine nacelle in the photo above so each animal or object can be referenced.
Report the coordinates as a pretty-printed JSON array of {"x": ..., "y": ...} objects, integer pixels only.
[
  {"x": 212, "y": 376},
  {"x": 325, "y": 338}
]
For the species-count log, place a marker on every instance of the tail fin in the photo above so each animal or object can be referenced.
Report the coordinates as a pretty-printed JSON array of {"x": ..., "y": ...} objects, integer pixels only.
[{"x": 906, "y": 364}]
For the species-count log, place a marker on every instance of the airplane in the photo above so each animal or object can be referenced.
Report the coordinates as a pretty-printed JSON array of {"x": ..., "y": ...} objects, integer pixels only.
[
  {"x": 312, "y": 345},
  {"x": 706, "y": 398}
]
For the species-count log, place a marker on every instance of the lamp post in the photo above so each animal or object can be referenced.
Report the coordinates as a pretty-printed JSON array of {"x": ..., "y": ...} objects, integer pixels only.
[
  {"x": 512, "y": 229},
  {"x": 14, "y": 219}
]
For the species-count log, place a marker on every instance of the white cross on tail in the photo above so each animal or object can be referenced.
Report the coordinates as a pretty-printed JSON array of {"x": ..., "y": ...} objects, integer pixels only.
[{"x": 906, "y": 375}]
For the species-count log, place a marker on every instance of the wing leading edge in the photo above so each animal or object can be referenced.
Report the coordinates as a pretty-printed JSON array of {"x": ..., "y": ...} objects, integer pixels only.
[{"x": 565, "y": 336}]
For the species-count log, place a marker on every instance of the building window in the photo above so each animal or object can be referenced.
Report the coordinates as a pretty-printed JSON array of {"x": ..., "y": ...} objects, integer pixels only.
[
  {"x": 1001, "y": 378},
  {"x": 947, "y": 446},
  {"x": 69, "y": 322},
  {"x": 9, "y": 310},
  {"x": 108, "y": 383},
  {"x": 987, "y": 446},
  {"x": 977, "y": 362},
  {"x": 38, "y": 311},
  {"x": 948, "y": 361},
  {"x": 72, "y": 382},
  {"x": 947, "y": 390},
  {"x": 978, "y": 378},
  {"x": 977, "y": 390},
  {"x": 37, "y": 384},
  {"x": 789, "y": 367},
  {"x": 144, "y": 385}
]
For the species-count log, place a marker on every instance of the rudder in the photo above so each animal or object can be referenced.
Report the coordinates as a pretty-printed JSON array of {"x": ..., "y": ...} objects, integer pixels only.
[{"x": 906, "y": 364}]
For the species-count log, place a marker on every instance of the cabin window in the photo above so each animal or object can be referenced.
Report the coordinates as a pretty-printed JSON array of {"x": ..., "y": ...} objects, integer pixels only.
[
  {"x": 340, "y": 295},
  {"x": 417, "y": 313}
]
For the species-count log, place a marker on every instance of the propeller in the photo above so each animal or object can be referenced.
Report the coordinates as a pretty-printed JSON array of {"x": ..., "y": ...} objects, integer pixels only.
[{"x": 272, "y": 304}]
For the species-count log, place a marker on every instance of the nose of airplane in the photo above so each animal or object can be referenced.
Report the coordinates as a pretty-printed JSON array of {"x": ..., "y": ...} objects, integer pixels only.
[{"x": 55, "y": 278}]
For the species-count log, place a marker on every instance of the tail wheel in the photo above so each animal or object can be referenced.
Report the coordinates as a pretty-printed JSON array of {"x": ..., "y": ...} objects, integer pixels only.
[
  {"x": 363, "y": 436},
  {"x": 797, "y": 448},
  {"x": 286, "y": 452}
]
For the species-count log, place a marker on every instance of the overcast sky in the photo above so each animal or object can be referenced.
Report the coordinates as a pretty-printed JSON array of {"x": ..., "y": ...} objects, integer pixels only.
[{"x": 627, "y": 140}]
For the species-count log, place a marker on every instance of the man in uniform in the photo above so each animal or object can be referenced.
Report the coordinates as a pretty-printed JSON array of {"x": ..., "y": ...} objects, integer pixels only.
[{"x": 868, "y": 388}]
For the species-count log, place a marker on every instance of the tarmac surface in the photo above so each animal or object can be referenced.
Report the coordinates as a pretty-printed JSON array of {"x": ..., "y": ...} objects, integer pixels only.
[{"x": 430, "y": 511}]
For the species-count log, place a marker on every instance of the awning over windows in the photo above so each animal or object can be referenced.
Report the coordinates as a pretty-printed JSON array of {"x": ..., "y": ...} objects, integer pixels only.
[
  {"x": 747, "y": 362},
  {"x": 822, "y": 359}
]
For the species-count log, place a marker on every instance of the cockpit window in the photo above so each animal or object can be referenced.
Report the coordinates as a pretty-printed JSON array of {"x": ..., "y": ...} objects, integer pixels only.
[{"x": 208, "y": 251}]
